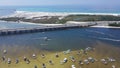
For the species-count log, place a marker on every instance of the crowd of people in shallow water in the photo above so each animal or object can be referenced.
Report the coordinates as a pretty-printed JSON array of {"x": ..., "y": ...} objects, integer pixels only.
[{"x": 86, "y": 61}]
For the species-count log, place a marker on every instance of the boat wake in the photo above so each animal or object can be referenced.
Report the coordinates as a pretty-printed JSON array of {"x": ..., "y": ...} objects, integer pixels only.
[
  {"x": 108, "y": 39},
  {"x": 116, "y": 40},
  {"x": 99, "y": 33}
]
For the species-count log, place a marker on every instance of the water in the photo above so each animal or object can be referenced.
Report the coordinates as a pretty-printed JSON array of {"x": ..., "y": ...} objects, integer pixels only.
[
  {"x": 64, "y": 39},
  {"x": 67, "y": 9},
  {"x": 6, "y": 10},
  {"x": 58, "y": 40},
  {"x": 15, "y": 25}
]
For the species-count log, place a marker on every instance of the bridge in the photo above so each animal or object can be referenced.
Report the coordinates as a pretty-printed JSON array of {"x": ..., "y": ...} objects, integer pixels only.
[{"x": 36, "y": 29}]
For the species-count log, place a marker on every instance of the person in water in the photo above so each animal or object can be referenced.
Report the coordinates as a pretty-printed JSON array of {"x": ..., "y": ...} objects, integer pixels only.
[
  {"x": 42, "y": 55},
  {"x": 3, "y": 58},
  {"x": 35, "y": 66},
  {"x": 17, "y": 61},
  {"x": 43, "y": 65},
  {"x": 9, "y": 61},
  {"x": 50, "y": 62},
  {"x": 56, "y": 55},
  {"x": 34, "y": 56}
]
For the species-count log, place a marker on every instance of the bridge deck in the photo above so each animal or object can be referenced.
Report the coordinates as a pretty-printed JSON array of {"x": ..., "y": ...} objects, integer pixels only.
[{"x": 36, "y": 29}]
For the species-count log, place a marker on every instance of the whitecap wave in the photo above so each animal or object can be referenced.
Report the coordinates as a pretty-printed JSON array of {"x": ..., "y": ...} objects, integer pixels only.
[
  {"x": 30, "y": 14},
  {"x": 114, "y": 14}
]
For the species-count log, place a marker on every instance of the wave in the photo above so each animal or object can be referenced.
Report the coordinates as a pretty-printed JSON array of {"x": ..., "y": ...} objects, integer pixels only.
[
  {"x": 86, "y": 13},
  {"x": 99, "y": 33},
  {"x": 95, "y": 31},
  {"x": 30, "y": 14},
  {"x": 108, "y": 39}
]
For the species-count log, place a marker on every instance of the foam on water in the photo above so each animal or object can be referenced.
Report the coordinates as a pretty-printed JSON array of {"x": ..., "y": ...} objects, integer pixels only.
[
  {"x": 59, "y": 9},
  {"x": 116, "y": 40}
]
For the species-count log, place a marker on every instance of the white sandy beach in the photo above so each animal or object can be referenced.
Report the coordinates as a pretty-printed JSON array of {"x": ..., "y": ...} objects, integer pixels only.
[
  {"x": 68, "y": 23},
  {"x": 74, "y": 23},
  {"x": 30, "y": 15},
  {"x": 104, "y": 27},
  {"x": 61, "y": 15}
]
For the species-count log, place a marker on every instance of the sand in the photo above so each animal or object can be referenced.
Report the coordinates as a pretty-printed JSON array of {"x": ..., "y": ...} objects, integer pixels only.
[
  {"x": 30, "y": 15},
  {"x": 104, "y": 27}
]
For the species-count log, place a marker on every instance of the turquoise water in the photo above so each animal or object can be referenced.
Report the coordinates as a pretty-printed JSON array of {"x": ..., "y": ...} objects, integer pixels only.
[
  {"x": 67, "y": 9},
  {"x": 82, "y": 9}
]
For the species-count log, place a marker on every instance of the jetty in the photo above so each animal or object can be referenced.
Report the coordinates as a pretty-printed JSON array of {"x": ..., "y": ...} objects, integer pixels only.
[{"x": 36, "y": 29}]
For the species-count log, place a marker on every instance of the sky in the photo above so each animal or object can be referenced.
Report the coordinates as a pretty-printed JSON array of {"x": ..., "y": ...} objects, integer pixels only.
[{"x": 97, "y": 3}]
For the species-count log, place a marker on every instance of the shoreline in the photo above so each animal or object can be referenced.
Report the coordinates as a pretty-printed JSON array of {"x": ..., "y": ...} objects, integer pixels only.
[
  {"x": 30, "y": 14},
  {"x": 69, "y": 23},
  {"x": 86, "y": 13},
  {"x": 62, "y": 18},
  {"x": 104, "y": 27}
]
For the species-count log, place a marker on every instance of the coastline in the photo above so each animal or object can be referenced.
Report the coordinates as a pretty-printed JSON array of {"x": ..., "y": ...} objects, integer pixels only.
[
  {"x": 38, "y": 14},
  {"x": 62, "y": 18},
  {"x": 72, "y": 23},
  {"x": 115, "y": 14},
  {"x": 59, "y": 34},
  {"x": 104, "y": 27}
]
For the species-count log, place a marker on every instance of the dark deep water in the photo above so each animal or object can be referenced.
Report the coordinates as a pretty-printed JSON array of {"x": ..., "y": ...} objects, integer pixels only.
[
  {"x": 64, "y": 39},
  {"x": 57, "y": 40}
]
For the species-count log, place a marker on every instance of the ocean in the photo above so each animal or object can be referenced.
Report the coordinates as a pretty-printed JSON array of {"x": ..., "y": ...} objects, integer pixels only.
[
  {"x": 59, "y": 40},
  {"x": 5, "y": 10}
]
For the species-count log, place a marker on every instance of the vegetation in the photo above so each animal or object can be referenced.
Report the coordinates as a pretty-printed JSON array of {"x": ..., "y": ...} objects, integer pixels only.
[
  {"x": 90, "y": 18},
  {"x": 44, "y": 20},
  {"x": 12, "y": 19},
  {"x": 55, "y": 19},
  {"x": 115, "y": 24}
]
